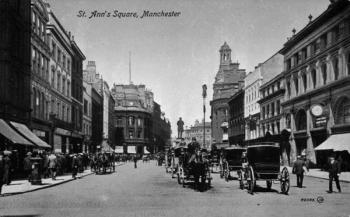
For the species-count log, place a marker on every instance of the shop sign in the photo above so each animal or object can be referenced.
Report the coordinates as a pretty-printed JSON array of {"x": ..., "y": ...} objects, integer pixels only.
[{"x": 320, "y": 121}]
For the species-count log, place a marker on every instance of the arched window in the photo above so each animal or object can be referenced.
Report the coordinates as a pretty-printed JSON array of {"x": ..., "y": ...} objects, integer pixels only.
[
  {"x": 343, "y": 111},
  {"x": 324, "y": 73},
  {"x": 300, "y": 120},
  {"x": 296, "y": 85},
  {"x": 288, "y": 88},
  {"x": 313, "y": 77},
  {"x": 335, "y": 68},
  {"x": 304, "y": 81}
]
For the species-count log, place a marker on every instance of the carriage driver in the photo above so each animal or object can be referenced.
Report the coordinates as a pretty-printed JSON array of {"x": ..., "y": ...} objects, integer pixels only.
[{"x": 193, "y": 148}]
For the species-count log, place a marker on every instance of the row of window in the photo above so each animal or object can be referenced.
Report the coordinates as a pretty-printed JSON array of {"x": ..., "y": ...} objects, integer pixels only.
[
  {"x": 40, "y": 64},
  {"x": 61, "y": 58},
  {"x": 60, "y": 83},
  {"x": 273, "y": 128},
  {"x": 316, "y": 78},
  {"x": 324, "y": 41},
  {"x": 38, "y": 26},
  {"x": 39, "y": 105},
  {"x": 87, "y": 129},
  {"x": 87, "y": 108},
  {"x": 252, "y": 93},
  {"x": 270, "y": 110},
  {"x": 131, "y": 121},
  {"x": 61, "y": 110},
  {"x": 271, "y": 89}
]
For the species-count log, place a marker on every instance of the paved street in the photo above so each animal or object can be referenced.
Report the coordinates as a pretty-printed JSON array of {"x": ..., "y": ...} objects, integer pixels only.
[{"x": 149, "y": 191}]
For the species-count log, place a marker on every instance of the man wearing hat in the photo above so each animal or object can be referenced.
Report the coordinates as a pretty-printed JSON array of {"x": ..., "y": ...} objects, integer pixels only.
[
  {"x": 27, "y": 166},
  {"x": 299, "y": 169},
  {"x": 334, "y": 172}
]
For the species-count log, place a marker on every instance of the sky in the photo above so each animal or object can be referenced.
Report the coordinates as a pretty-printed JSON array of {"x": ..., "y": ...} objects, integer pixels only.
[{"x": 175, "y": 56}]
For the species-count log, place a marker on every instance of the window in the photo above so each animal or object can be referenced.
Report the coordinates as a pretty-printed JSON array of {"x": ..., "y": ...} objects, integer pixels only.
[
  {"x": 288, "y": 88},
  {"x": 68, "y": 88},
  {"x": 119, "y": 121},
  {"x": 68, "y": 66},
  {"x": 304, "y": 81},
  {"x": 278, "y": 107},
  {"x": 313, "y": 77},
  {"x": 139, "y": 133},
  {"x": 296, "y": 85},
  {"x": 288, "y": 64},
  {"x": 272, "y": 109},
  {"x": 59, "y": 56},
  {"x": 324, "y": 73},
  {"x": 58, "y": 81},
  {"x": 139, "y": 122},
  {"x": 131, "y": 134},
  {"x": 63, "y": 85},
  {"x": 323, "y": 42},
  {"x": 131, "y": 121},
  {"x": 268, "y": 111},
  {"x": 335, "y": 68},
  {"x": 63, "y": 112},
  {"x": 64, "y": 61},
  {"x": 336, "y": 33},
  {"x": 58, "y": 110},
  {"x": 263, "y": 113},
  {"x": 85, "y": 107}
]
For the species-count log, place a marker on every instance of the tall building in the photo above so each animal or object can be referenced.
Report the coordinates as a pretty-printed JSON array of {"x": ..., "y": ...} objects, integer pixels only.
[
  {"x": 236, "y": 124},
  {"x": 77, "y": 97},
  {"x": 161, "y": 130},
  {"x": 263, "y": 72},
  {"x": 95, "y": 79},
  {"x": 317, "y": 78},
  {"x": 40, "y": 73},
  {"x": 60, "y": 81},
  {"x": 87, "y": 116},
  {"x": 196, "y": 131},
  {"x": 15, "y": 50},
  {"x": 227, "y": 82},
  {"x": 133, "y": 117},
  {"x": 97, "y": 121}
]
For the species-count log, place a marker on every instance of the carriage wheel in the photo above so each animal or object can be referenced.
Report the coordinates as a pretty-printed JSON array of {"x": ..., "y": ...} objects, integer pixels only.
[
  {"x": 285, "y": 183},
  {"x": 227, "y": 172},
  {"x": 269, "y": 184},
  {"x": 182, "y": 176},
  {"x": 240, "y": 177},
  {"x": 251, "y": 180},
  {"x": 178, "y": 178}
]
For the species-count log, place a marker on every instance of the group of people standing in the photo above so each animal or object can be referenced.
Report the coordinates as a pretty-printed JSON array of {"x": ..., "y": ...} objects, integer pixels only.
[{"x": 300, "y": 167}]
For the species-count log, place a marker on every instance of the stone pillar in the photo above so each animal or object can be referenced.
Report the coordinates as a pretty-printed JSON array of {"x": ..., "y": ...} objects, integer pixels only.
[
  {"x": 329, "y": 74},
  {"x": 331, "y": 121},
  {"x": 293, "y": 148},
  {"x": 318, "y": 74},
  {"x": 310, "y": 151}
]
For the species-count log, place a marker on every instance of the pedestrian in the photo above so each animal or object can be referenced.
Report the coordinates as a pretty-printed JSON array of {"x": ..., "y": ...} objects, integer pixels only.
[
  {"x": 45, "y": 165},
  {"x": 1, "y": 170},
  {"x": 135, "y": 161},
  {"x": 299, "y": 168},
  {"x": 27, "y": 166},
  {"x": 334, "y": 172},
  {"x": 53, "y": 165},
  {"x": 7, "y": 168},
  {"x": 75, "y": 166}
]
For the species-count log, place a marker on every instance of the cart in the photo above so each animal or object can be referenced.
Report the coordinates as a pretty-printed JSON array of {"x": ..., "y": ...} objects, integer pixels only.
[
  {"x": 263, "y": 164},
  {"x": 231, "y": 161}
]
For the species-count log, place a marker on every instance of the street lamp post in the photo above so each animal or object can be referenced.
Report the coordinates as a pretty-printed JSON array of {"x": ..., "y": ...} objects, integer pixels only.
[{"x": 204, "y": 94}]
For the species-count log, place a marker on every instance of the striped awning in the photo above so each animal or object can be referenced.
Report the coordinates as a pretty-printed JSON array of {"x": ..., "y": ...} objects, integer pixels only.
[
  {"x": 12, "y": 135},
  {"x": 336, "y": 142},
  {"x": 24, "y": 130}
]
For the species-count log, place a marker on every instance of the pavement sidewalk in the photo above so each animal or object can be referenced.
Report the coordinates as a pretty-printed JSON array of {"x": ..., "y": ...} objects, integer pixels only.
[
  {"x": 24, "y": 186},
  {"x": 318, "y": 173}
]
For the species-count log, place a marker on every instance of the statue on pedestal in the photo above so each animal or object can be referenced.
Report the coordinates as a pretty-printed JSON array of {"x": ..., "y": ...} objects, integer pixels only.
[{"x": 180, "y": 128}]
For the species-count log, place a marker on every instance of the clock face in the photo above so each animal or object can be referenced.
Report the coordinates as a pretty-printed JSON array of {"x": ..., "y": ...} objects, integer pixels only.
[{"x": 317, "y": 110}]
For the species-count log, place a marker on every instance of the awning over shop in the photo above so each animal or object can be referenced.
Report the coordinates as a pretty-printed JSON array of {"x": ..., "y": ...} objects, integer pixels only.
[
  {"x": 106, "y": 147},
  {"x": 336, "y": 142},
  {"x": 131, "y": 150},
  {"x": 145, "y": 151},
  {"x": 23, "y": 129},
  {"x": 119, "y": 149},
  {"x": 12, "y": 135}
]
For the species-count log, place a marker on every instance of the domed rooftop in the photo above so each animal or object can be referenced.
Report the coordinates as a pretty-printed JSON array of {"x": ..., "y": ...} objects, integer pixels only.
[{"x": 225, "y": 47}]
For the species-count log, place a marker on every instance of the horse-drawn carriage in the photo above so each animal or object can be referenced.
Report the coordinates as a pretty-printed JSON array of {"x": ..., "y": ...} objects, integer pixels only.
[
  {"x": 193, "y": 166},
  {"x": 214, "y": 159},
  {"x": 104, "y": 163},
  {"x": 231, "y": 161},
  {"x": 263, "y": 164}
]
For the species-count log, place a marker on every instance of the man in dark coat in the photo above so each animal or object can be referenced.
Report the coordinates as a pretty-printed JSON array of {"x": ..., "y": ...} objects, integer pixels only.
[
  {"x": 7, "y": 168},
  {"x": 27, "y": 166},
  {"x": 298, "y": 170},
  {"x": 334, "y": 172},
  {"x": 1, "y": 171},
  {"x": 75, "y": 166}
]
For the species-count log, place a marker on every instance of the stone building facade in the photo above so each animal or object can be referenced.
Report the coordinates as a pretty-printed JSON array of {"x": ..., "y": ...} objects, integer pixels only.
[
  {"x": 161, "y": 130},
  {"x": 263, "y": 72},
  {"x": 15, "y": 60},
  {"x": 196, "y": 131},
  {"x": 236, "y": 123},
  {"x": 317, "y": 76},
  {"x": 40, "y": 73},
  {"x": 227, "y": 81},
  {"x": 133, "y": 116},
  {"x": 60, "y": 80}
]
